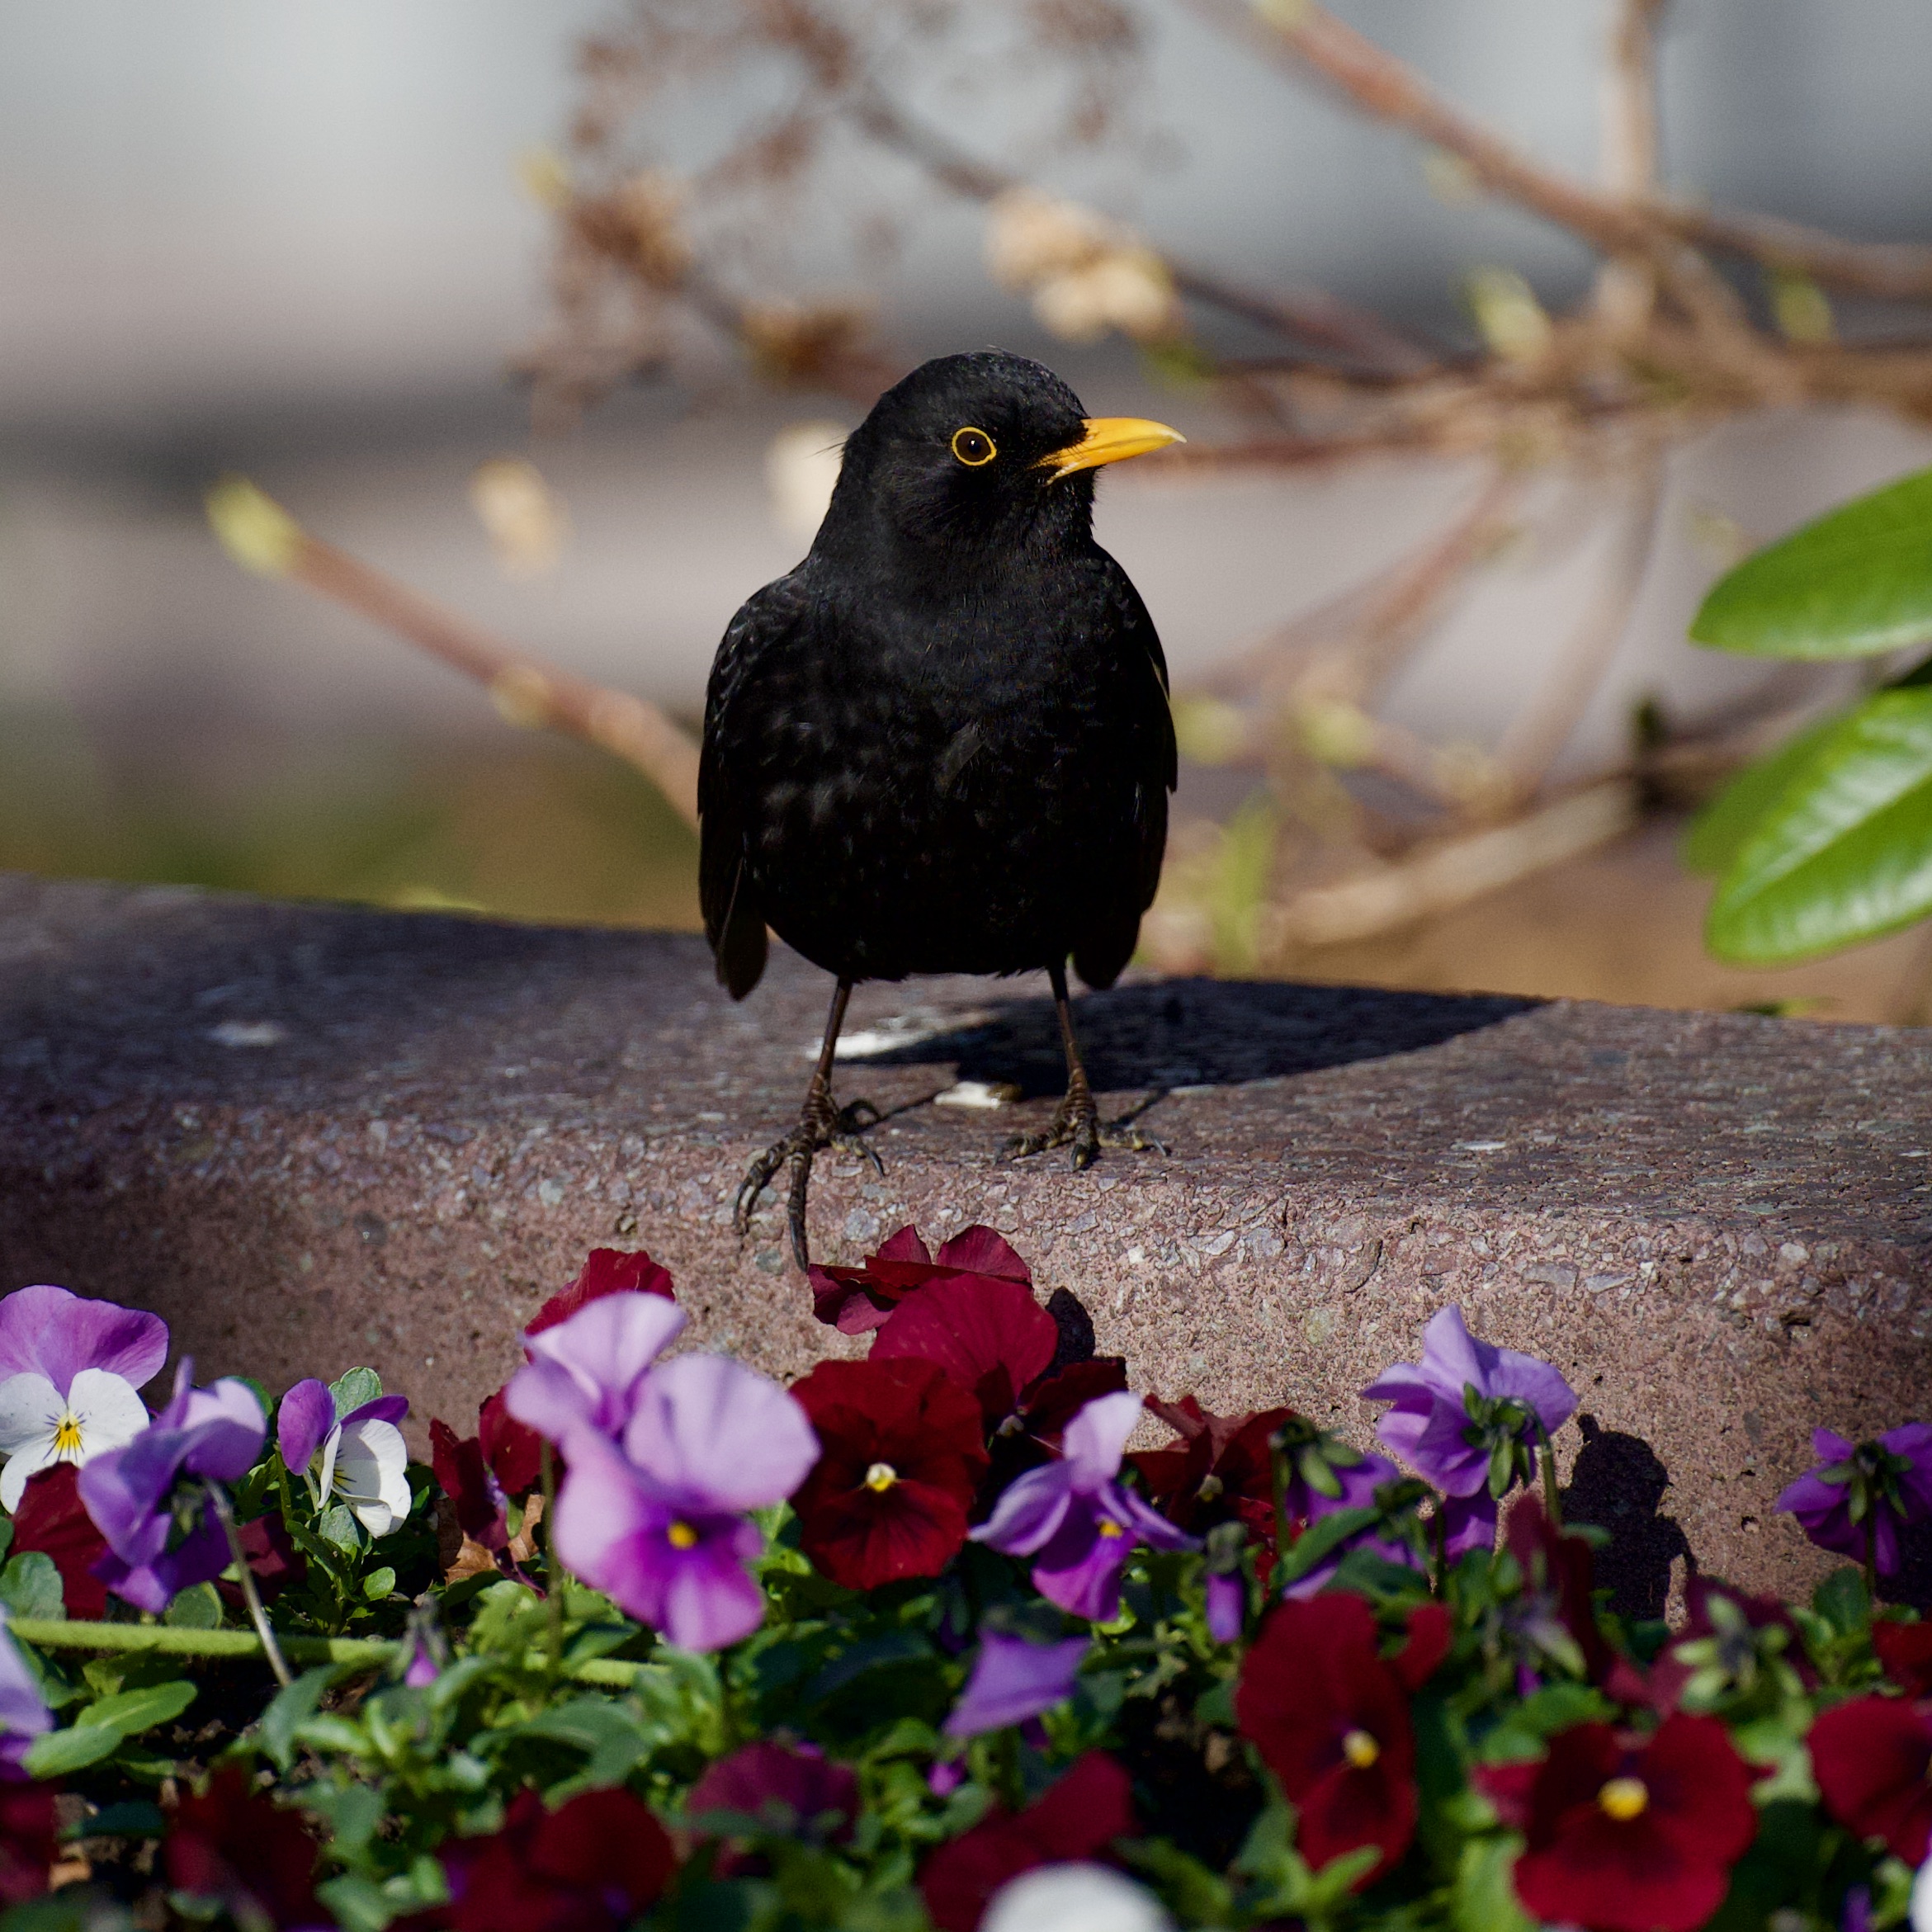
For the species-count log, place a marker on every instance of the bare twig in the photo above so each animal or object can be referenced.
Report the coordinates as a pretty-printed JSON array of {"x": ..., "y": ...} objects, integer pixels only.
[
  {"x": 1311, "y": 314},
  {"x": 1454, "y": 871},
  {"x": 1627, "y": 286},
  {"x": 1388, "y": 88},
  {"x": 262, "y": 536}
]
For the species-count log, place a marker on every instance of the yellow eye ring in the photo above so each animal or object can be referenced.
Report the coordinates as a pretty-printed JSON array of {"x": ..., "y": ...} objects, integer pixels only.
[{"x": 973, "y": 447}]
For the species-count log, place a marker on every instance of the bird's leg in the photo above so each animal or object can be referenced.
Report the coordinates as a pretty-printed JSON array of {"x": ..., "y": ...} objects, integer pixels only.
[
  {"x": 822, "y": 1122},
  {"x": 1076, "y": 1121}
]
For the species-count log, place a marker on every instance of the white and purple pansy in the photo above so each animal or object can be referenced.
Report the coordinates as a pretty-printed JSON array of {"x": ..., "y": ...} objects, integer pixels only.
[
  {"x": 357, "y": 1457},
  {"x": 70, "y": 1370}
]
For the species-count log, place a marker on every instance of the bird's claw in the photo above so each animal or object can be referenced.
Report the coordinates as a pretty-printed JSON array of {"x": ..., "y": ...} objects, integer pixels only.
[
  {"x": 821, "y": 1125},
  {"x": 1079, "y": 1125}
]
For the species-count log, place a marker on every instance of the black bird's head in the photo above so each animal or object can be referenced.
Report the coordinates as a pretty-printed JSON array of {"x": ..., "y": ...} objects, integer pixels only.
[{"x": 986, "y": 449}]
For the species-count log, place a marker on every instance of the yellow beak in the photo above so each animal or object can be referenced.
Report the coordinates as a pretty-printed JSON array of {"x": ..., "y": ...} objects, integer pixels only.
[{"x": 1109, "y": 439}]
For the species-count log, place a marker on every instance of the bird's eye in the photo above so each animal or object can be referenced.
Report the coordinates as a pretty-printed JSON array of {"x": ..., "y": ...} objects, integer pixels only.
[{"x": 973, "y": 447}]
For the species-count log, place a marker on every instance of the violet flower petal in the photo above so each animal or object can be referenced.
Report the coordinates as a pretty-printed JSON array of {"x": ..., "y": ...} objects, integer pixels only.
[
  {"x": 1013, "y": 1680},
  {"x": 152, "y": 1586},
  {"x": 24, "y": 1715},
  {"x": 1029, "y": 1512},
  {"x": 1469, "y": 1523},
  {"x": 1227, "y": 1607},
  {"x": 226, "y": 1428},
  {"x": 45, "y": 1330},
  {"x": 379, "y": 1409},
  {"x": 303, "y": 1422},
  {"x": 1085, "y": 1580},
  {"x": 718, "y": 1435},
  {"x": 682, "y": 1571},
  {"x": 1097, "y": 1437},
  {"x": 590, "y": 1366}
]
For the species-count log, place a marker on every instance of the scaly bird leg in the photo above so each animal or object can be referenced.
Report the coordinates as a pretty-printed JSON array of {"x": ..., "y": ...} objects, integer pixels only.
[
  {"x": 822, "y": 1122},
  {"x": 1076, "y": 1121}
]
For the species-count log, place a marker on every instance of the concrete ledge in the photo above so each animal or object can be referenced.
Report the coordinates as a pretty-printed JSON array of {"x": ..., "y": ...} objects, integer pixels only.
[{"x": 310, "y": 1136}]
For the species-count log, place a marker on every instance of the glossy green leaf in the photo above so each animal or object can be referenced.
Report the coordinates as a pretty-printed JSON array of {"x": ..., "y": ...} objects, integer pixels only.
[
  {"x": 1855, "y": 582},
  {"x": 1724, "y": 827},
  {"x": 352, "y": 1388},
  {"x": 1845, "y": 854}
]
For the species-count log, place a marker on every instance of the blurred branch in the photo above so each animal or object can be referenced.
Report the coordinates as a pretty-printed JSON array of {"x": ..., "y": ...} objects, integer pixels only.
[
  {"x": 1391, "y": 90},
  {"x": 262, "y": 536},
  {"x": 1313, "y": 315}
]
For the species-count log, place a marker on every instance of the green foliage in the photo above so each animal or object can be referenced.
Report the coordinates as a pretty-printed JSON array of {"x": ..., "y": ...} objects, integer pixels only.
[
  {"x": 1828, "y": 842},
  {"x": 1856, "y": 582}
]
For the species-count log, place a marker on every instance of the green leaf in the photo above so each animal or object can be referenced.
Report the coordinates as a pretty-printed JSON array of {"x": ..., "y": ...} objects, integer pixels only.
[
  {"x": 1320, "y": 1540},
  {"x": 30, "y": 1586},
  {"x": 1844, "y": 854},
  {"x": 291, "y": 1708},
  {"x": 6, "y": 1535},
  {"x": 199, "y": 1609},
  {"x": 1842, "y": 1601},
  {"x": 1855, "y": 582},
  {"x": 610, "y": 1737},
  {"x": 134, "y": 1711},
  {"x": 1724, "y": 827},
  {"x": 352, "y": 1388},
  {"x": 1483, "y": 1898},
  {"x": 338, "y": 1527},
  {"x": 132, "y": 1818},
  {"x": 55, "y": 1753},
  {"x": 379, "y": 1583}
]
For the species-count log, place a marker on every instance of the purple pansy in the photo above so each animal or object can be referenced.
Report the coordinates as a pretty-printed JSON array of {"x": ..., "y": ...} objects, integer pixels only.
[
  {"x": 1014, "y": 1679},
  {"x": 23, "y": 1711},
  {"x": 364, "y": 1459},
  {"x": 1860, "y": 1495},
  {"x": 1075, "y": 1520},
  {"x": 660, "y": 1528},
  {"x": 69, "y": 1368},
  {"x": 586, "y": 1372},
  {"x": 1355, "y": 1487},
  {"x": 1466, "y": 1418},
  {"x": 159, "y": 1544}
]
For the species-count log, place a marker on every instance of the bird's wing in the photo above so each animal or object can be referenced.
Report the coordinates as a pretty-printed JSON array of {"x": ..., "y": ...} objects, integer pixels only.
[{"x": 734, "y": 918}]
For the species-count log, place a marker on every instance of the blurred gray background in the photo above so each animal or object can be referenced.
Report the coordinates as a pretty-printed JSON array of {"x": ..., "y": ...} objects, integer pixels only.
[{"x": 287, "y": 238}]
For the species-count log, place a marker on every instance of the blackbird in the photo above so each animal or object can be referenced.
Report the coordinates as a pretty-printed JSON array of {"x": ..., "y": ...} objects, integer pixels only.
[{"x": 942, "y": 743}]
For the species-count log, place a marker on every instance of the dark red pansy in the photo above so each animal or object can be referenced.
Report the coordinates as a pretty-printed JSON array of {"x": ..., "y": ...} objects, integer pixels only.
[
  {"x": 513, "y": 1449},
  {"x": 799, "y": 1792},
  {"x": 1871, "y": 1758},
  {"x": 854, "y": 1300},
  {"x": 1431, "y": 1628},
  {"x": 234, "y": 1848},
  {"x": 1558, "y": 1566},
  {"x": 991, "y": 1337},
  {"x": 464, "y": 1476},
  {"x": 274, "y": 1562},
  {"x": 901, "y": 1454},
  {"x": 607, "y": 1271},
  {"x": 1220, "y": 1471},
  {"x": 591, "y": 1865},
  {"x": 1331, "y": 1721},
  {"x": 51, "y": 1519},
  {"x": 1078, "y": 1817},
  {"x": 1628, "y": 1834},
  {"x": 30, "y": 1829},
  {"x": 1905, "y": 1652}
]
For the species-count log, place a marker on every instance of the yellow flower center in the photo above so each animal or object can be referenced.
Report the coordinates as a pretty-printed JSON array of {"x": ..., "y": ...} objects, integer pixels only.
[
  {"x": 1624, "y": 1798},
  {"x": 681, "y": 1536},
  {"x": 67, "y": 1435},
  {"x": 1108, "y": 1526},
  {"x": 1360, "y": 1749},
  {"x": 881, "y": 1477}
]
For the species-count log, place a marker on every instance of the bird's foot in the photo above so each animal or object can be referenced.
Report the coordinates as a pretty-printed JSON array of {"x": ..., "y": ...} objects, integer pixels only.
[
  {"x": 823, "y": 1124},
  {"x": 1076, "y": 1123}
]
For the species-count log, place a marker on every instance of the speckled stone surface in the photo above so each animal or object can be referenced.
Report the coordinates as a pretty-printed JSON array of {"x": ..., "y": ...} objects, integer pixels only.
[{"x": 310, "y": 1136}]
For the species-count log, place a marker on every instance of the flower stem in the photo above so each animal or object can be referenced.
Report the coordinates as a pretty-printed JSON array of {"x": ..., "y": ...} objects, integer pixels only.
[
  {"x": 553, "y": 1573},
  {"x": 1552, "y": 1502},
  {"x": 218, "y": 1500},
  {"x": 1872, "y": 1559}
]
